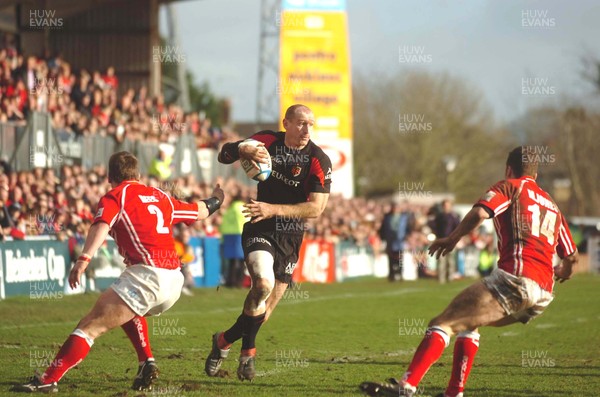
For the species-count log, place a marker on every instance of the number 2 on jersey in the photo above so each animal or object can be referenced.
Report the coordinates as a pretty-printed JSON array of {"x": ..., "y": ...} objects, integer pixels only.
[
  {"x": 160, "y": 219},
  {"x": 544, "y": 225}
]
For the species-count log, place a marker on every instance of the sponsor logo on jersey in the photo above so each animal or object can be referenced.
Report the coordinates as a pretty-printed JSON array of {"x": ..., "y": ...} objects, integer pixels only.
[
  {"x": 489, "y": 196},
  {"x": 148, "y": 199},
  {"x": 100, "y": 212},
  {"x": 289, "y": 269},
  {"x": 296, "y": 170},
  {"x": 284, "y": 179},
  {"x": 328, "y": 175},
  {"x": 256, "y": 240}
]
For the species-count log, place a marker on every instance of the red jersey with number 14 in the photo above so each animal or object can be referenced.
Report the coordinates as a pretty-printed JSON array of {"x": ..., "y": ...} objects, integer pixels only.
[
  {"x": 530, "y": 229},
  {"x": 141, "y": 219}
]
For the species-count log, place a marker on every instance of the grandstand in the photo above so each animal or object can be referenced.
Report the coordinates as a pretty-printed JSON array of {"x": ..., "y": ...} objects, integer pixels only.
[{"x": 73, "y": 95}]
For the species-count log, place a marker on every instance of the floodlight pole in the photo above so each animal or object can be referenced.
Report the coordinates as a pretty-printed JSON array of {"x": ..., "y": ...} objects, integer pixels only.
[
  {"x": 267, "y": 99},
  {"x": 184, "y": 96}
]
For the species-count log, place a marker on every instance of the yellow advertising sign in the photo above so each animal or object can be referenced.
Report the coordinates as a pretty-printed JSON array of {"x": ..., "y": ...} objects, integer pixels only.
[{"x": 315, "y": 71}]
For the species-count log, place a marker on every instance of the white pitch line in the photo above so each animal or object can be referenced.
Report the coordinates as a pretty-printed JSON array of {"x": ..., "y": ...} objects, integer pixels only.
[
  {"x": 301, "y": 301},
  {"x": 37, "y": 325},
  {"x": 238, "y": 308},
  {"x": 510, "y": 333},
  {"x": 545, "y": 326}
]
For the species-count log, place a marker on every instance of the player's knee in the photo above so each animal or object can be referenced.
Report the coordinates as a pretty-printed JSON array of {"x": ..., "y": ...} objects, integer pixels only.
[
  {"x": 436, "y": 321},
  {"x": 445, "y": 326},
  {"x": 91, "y": 328},
  {"x": 451, "y": 328},
  {"x": 262, "y": 288}
]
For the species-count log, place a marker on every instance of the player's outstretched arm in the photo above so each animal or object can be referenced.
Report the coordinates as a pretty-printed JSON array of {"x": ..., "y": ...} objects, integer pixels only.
[
  {"x": 563, "y": 271},
  {"x": 95, "y": 238},
  {"x": 313, "y": 208},
  {"x": 474, "y": 218},
  {"x": 209, "y": 206}
]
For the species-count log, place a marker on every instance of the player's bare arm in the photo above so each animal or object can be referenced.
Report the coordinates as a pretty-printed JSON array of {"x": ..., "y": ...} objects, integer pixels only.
[
  {"x": 313, "y": 208},
  {"x": 563, "y": 271},
  {"x": 95, "y": 238},
  {"x": 207, "y": 207},
  {"x": 473, "y": 219}
]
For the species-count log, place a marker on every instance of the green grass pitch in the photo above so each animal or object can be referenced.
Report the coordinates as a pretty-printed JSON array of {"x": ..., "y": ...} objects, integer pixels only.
[{"x": 323, "y": 340}]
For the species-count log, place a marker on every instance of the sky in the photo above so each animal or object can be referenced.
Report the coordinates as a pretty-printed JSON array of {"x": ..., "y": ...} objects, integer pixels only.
[{"x": 485, "y": 42}]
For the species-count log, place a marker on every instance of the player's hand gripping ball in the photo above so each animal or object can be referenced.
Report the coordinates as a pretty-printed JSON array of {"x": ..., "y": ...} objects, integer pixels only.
[{"x": 255, "y": 170}]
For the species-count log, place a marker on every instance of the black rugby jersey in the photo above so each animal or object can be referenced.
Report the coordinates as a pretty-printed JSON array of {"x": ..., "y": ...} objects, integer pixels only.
[{"x": 295, "y": 174}]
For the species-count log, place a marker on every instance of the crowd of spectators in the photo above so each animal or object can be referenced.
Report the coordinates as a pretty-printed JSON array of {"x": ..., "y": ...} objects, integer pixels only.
[
  {"x": 40, "y": 202},
  {"x": 87, "y": 102},
  {"x": 61, "y": 205},
  {"x": 43, "y": 202}
]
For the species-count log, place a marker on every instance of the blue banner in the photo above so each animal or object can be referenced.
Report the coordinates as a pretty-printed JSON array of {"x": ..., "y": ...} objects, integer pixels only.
[
  {"x": 39, "y": 269},
  {"x": 35, "y": 268},
  {"x": 206, "y": 266}
]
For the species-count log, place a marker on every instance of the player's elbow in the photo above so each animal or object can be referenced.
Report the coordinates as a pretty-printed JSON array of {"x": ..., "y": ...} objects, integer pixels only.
[
  {"x": 481, "y": 213},
  {"x": 317, "y": 203},
  {"x": 572, "y": 259},
  {"x": 316, "y": 210},
  {"x": 100, "y": 229}
]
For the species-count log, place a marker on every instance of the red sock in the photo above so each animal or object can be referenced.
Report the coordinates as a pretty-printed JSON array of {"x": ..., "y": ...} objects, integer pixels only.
[
  {"x": 465, "y": 349},
  {"x": 137, "y": 331},
  {"x": 248, "y": 352},
  {"x": 222, "y": 342},
  {"x": 428, "y": 352},
  {"x": 72, "y": 352}
]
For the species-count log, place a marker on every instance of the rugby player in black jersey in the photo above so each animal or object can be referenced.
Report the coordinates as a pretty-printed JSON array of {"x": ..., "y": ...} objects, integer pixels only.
[{"x": 297, "y": 189}]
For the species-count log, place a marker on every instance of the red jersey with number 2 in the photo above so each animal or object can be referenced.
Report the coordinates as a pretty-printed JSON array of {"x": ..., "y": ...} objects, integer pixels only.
[
  {"x": 530, "y": 229},
  {"x": 141, "y": 219}
]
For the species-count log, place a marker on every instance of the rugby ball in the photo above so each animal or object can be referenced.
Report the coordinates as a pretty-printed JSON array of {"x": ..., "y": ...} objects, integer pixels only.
[{"x": 257, "y": 171}]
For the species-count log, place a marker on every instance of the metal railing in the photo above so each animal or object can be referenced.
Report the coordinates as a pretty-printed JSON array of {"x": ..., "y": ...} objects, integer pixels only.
[{"x": 38, "y": 144}]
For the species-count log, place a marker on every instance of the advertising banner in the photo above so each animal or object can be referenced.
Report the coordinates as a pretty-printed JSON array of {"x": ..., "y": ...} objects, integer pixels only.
[
  {"x": 315, "y": 71},
  {"x": 316, "y": 262}
]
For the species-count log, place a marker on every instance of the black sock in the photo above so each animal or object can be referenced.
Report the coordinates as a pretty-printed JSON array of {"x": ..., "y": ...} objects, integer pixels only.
[
  {"x": 249, "y": 337},
  {"x": 237, "y": 329}
]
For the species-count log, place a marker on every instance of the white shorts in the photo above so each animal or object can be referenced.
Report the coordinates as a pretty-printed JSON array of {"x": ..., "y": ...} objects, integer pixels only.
[
  {"x": 149, "y": 290},
  {"x": 520, "y": 297}
]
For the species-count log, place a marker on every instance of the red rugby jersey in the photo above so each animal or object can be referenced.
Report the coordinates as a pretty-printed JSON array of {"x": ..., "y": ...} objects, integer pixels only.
[
  {"x": 530, "y": 228},
  {"x": 141, "y": 219}
]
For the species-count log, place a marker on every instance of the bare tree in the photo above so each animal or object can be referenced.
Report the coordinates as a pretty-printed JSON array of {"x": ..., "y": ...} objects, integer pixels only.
[
  {"x": 569, "y": 135},
  {"x": 581, "y": 146},
  {"x": 591, "y": 70},
  {"x": 408, "y": 127}
]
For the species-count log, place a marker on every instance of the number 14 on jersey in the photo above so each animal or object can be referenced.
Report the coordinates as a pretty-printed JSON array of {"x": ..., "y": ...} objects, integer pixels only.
[{"x": 542, "y": 224}]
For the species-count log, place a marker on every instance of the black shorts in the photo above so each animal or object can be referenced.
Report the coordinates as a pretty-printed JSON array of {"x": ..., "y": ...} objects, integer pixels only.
[{"x": 284, "y": 247}]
